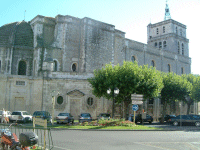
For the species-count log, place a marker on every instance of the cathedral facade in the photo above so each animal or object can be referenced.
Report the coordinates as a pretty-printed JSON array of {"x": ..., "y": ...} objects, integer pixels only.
[{"x": 56, "y": 55}]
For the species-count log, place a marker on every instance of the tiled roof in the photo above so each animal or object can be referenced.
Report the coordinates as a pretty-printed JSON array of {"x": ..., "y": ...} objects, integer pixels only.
[{"x": 16, "y": 34}]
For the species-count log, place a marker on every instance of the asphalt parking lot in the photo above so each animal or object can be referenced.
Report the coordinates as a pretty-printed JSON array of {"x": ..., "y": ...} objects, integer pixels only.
[{"x": 167, "y": 126}]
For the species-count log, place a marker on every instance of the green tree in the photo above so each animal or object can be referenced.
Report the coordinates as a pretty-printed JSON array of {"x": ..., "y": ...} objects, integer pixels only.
[
  {"x": 129, "y": 78},
  {"x": 190, "y": 98},
  {"x": 196, "y": 90},
  {"x": 175, "y": 88}
]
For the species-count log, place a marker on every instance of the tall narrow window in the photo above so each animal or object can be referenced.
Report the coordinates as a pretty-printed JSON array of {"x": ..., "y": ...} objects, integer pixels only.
[
  {"x": 157, "y": 30},
  {"x": 163, "y": 29},
  {"x": 160, "y": 44},
  {"x": 178, "y": 48},
  {"x": 74, "y": 66},
  {"x": 182, "y": 49},
  {"x": 153, "y": 63},
  {"x": 164, "y": 44},
  {"x": 22, "y": 68},
  {"x": 181, "y": 32},
  {"x": 133, "y": 58},
  {"x": 182, "y": 70},
  {"x": 169, "y": 67},
  {"x": 55, "y": 67},
  {"x": 156, "y": 44},
  {"x": 176, "y": 30}
]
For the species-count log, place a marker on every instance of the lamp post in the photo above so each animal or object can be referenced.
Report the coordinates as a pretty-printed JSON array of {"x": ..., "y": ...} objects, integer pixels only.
[
  {"x": 53, "y": 95},
  {"x": 115, "y": 92},
  {"x": 180, "y": 114}
]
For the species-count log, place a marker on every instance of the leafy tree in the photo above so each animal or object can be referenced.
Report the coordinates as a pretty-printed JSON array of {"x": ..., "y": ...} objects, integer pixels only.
[
  {"x": 196, "y": 90},
  {"x": 175, "y": 88},
  {"x": 191, "y": 97},
  {"x": 129, "y": 78}
]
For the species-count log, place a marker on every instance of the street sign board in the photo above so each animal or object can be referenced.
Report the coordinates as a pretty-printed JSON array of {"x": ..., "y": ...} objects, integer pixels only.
[
  {"x": 137, "y": 102},
  {"x": 136, "y": 97},
  {"x": 135, "y": 107}
]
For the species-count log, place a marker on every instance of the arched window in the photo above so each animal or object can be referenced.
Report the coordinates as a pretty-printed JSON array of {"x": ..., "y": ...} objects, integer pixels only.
[
  {"x": 22, "y": 68},
  {"x": 90, "y": 101},
  {"x": 74, "y": 67},
  {"x": 169, "y": 67},
  {"x": 182, "y": 49},
  {"x": 178, "y": 48},
  {"x": 60, "y": 100},
  {"x": 163, "y": 29},
  {"x": 182, "y": 70},
  {"x": 164, "y": 44},
  {"x": 55, "y": 65},
  {"x": 153, "y": 63},
  {"x": 133, "y": 58}
]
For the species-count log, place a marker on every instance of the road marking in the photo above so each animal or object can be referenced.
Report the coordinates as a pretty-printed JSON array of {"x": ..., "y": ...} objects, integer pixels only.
[
  {"x": 59, "y": 147},
  {"x": 187, "y": 144}
]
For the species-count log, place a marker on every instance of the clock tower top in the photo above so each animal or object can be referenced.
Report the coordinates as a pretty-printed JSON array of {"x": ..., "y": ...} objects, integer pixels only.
[{"x": 167, "y": 13}]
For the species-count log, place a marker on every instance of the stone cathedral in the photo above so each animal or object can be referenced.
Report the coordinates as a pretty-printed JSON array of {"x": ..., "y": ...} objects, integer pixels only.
[{"x": 56, "y": 55}]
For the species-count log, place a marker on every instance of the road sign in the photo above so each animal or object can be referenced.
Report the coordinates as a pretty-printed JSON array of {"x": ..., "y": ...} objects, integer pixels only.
[
  {"x": 137, "y": 102},
  {"x": 135, "y": 107},
  {"x": 137, "y": 97}
]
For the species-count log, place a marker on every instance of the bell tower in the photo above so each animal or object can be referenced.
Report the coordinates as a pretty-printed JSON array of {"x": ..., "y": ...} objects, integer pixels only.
[{"x": 168, "y": 35}]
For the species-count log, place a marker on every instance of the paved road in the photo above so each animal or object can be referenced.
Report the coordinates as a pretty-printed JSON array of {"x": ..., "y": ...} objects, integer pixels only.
[{"x": 125, "y": 140}]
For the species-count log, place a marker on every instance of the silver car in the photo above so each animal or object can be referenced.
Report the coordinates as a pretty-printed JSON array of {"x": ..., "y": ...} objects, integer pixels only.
[
  {"x": 64, "y": 118},
  {"x": 104, "y": 116}
]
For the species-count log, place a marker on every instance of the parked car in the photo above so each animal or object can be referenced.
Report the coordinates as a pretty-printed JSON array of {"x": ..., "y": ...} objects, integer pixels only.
[
  {"x": 167, "y": 118},
  {"x": 20, "y": 116},
  {"x": 44, "y": 115},
  {"x": 104, "y": 116},
  {"x": 85, "y": 117},
  {"x": 64, "y": 118},
  {"x": 186, "y": 120},
  {"x": 8, "y": 114},
  {"x": 138, "y": 118}
]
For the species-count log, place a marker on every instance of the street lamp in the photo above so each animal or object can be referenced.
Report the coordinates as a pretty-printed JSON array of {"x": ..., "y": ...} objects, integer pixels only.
[
  {"x": 180, "y": 114},
  {"x": 115, "y": 92},
  {"x": 53, "y": 95}
]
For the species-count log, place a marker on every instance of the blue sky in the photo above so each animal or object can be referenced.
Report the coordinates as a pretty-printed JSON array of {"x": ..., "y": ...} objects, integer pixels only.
[{"x": 130, "y": 16}]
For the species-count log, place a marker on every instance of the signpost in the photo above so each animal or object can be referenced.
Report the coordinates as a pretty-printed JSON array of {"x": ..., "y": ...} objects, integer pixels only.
[
  {"x": 135, "y": 108},
  {"x": 137, "y": 102},
  {"x": 136, "y": 99}
]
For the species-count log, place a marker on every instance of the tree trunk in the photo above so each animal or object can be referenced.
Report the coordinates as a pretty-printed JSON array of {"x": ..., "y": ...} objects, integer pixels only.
[
  {"x": 188, "y": 108},
  {"x": 164, "y": 111}
]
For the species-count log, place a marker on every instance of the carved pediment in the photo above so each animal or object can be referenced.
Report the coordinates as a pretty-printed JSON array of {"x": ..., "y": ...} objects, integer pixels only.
[{"x": 75, "y": 93}]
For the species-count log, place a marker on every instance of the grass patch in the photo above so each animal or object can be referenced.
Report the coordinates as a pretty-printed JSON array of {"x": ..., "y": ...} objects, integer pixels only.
[{"x": 137, "y": 127}]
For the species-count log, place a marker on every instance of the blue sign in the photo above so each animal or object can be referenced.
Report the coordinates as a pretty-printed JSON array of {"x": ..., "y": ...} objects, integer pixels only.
[{"x": 135, "y": 107}]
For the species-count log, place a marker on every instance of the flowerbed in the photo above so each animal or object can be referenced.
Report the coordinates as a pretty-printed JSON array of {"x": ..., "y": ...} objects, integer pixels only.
[{"x": 111, "y": 122}]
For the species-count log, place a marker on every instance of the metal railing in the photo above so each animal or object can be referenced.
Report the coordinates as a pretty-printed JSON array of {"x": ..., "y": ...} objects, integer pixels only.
[{"x": 44, "y": 134}]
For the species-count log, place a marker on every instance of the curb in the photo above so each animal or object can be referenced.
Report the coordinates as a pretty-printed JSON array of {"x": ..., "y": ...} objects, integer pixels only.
[{"x": 183, "y": 129}]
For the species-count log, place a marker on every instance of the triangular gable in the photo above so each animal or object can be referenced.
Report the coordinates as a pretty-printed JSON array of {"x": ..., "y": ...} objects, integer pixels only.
[{"x": 75, "y": 93}]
